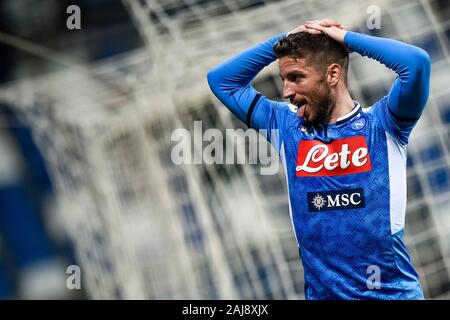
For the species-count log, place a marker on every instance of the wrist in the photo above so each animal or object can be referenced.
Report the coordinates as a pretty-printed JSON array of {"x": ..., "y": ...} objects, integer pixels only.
[
  {"x": 352, "y": 40},
  {"x": 340, "y": 35}
]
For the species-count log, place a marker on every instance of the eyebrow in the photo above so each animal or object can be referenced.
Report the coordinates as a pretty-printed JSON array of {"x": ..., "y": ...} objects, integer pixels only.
[{"x": 293, "y": 73}]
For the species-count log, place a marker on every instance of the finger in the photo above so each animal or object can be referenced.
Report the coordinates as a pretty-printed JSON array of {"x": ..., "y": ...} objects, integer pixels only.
[
  {"x": 300, "y": 28},
  {"x": 312, "y": 31},
  {"x": 338, "y": 24},
  {"x": 329, "y": 23},
  {"x": 315, "y": 26}
]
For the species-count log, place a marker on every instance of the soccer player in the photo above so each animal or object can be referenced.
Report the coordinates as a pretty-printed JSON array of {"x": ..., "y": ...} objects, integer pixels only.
[{"x": 345, "y": 166}]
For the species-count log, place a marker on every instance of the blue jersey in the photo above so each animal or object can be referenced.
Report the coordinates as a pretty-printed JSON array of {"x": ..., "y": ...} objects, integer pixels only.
[{"x": 346, "y": 180}]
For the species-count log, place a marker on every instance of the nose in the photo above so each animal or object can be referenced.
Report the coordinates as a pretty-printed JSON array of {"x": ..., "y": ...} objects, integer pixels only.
[{"x": 288, "y": 90}]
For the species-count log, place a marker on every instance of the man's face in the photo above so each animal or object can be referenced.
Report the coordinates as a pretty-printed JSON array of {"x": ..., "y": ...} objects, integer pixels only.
[{"x": 307, "y": 89}]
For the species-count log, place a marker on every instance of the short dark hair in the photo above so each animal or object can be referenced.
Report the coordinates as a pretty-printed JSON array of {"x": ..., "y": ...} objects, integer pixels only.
[{"x": 320, "y": 50}]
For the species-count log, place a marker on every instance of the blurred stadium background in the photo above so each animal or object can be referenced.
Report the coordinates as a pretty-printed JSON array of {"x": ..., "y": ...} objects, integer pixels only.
[{"x": 100, "y": 190}]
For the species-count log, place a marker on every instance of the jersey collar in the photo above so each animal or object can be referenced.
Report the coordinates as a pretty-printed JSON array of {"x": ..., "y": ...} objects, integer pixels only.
[{"x": 349, "y": 115}]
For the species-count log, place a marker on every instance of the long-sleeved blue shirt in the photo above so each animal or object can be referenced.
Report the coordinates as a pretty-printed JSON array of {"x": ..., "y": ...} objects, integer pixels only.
[{"x": 346, "y": 180}]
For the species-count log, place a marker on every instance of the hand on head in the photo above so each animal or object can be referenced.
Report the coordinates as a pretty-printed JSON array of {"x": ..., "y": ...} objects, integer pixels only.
[{"x": 330, "y": 27}]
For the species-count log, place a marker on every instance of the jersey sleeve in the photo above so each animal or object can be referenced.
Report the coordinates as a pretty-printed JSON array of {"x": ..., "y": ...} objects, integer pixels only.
[
  {"x": 271, "y": 117},
  {"x": 231, "y": 84},
  {"x": 400, "y": 110}
]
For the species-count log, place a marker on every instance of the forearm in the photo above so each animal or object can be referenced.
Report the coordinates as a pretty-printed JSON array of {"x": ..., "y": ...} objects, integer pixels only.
[
  {"x": 410, "y": 91},
  {"x": 230, "y": 81}
]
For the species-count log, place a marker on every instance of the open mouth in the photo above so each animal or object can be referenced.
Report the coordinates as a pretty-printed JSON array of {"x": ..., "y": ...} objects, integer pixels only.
[
  {"x": 301, "y": 104},
  {"x": 301, "y": 110}
]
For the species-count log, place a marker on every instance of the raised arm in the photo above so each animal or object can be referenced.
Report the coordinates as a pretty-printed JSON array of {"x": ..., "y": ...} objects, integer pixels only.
[
  {"x": 409, "y": 93},
  {"x": 230, "y": 81}
]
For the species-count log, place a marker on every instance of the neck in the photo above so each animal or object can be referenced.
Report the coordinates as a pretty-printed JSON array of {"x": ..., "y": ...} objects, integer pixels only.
[{"x": 344, "y": 104}]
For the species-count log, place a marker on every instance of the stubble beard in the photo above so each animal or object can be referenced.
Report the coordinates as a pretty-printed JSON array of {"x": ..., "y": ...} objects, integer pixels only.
[{"x": 322, "y": 108}]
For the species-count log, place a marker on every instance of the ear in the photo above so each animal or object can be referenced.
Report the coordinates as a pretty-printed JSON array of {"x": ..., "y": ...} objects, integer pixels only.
[{"x": 334, "y": 74}]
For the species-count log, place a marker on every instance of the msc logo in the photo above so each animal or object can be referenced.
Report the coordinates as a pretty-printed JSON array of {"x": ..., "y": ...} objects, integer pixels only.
[
  {"x": 336, "y": 200},
  {"x": 340, "y": 157}
]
